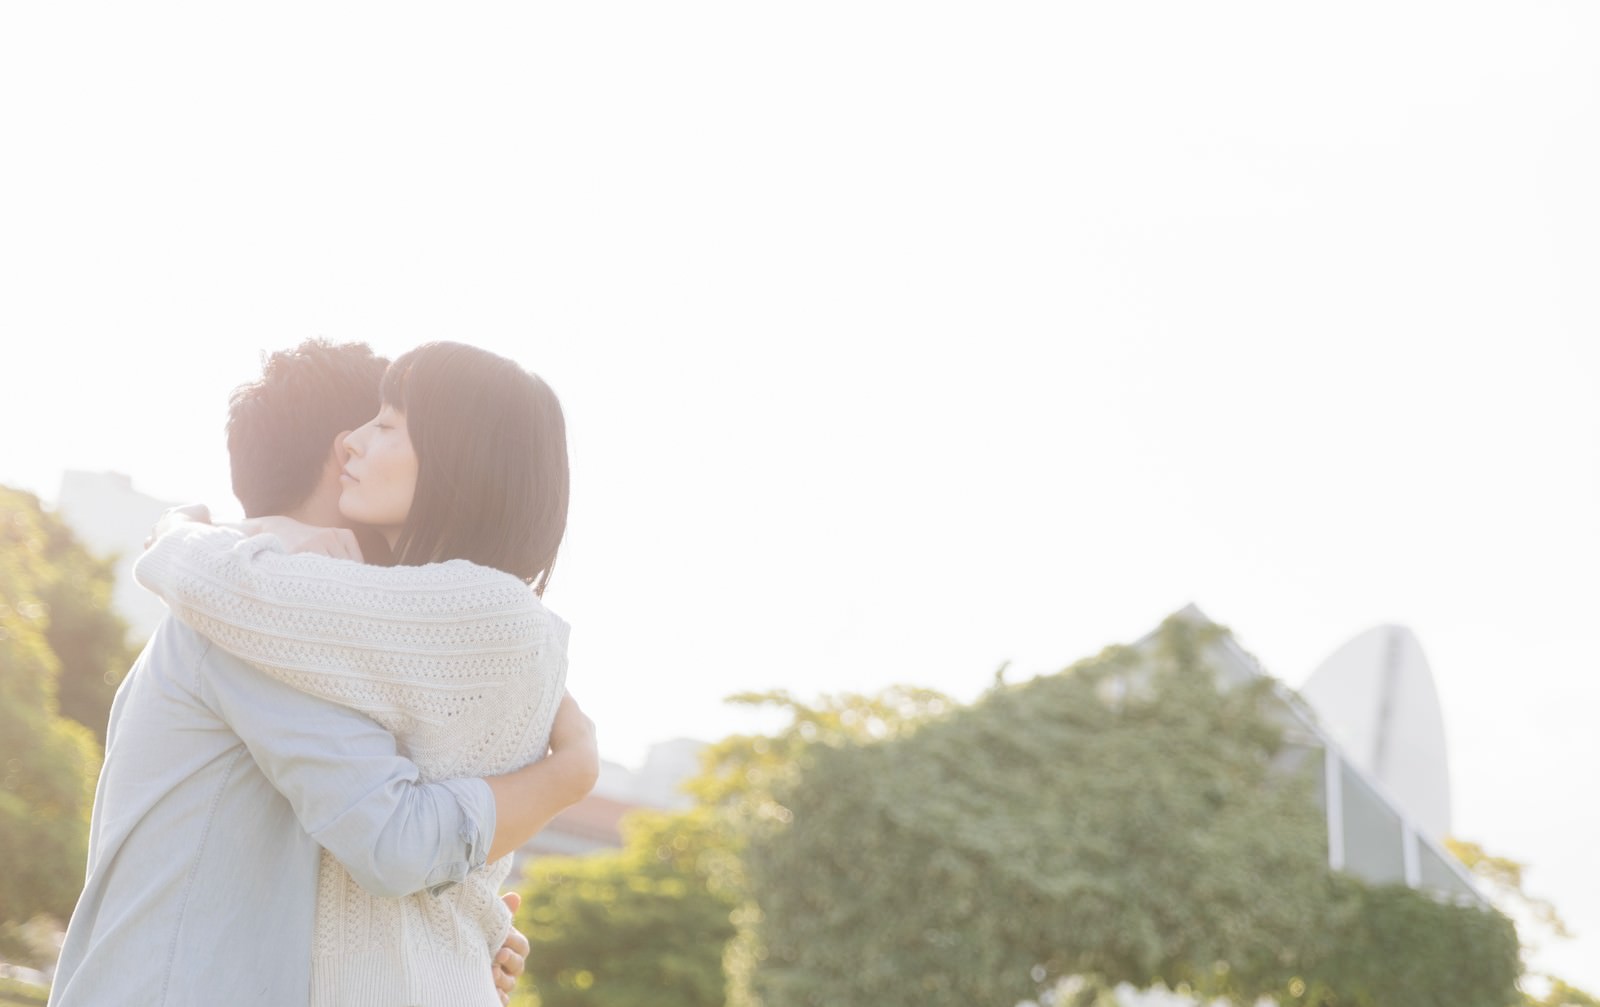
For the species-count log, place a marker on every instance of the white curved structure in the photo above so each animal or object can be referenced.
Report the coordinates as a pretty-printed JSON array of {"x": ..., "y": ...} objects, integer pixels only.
[
  {"x": 1368, "y": 727},
  {"x": 1375, "y": 696}
]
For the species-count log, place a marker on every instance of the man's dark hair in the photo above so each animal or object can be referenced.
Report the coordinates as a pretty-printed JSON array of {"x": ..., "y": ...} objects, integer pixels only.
[{"x": 281, "y": 426}]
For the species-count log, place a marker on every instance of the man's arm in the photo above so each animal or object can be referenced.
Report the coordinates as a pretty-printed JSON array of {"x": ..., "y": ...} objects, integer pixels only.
[
  {"x": 364, "y": 802},
  {"x": 526, "y": 801}
]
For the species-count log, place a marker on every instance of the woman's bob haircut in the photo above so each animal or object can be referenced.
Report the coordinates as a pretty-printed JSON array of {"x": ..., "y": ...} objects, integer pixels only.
[{"x": 491, "y": 445}]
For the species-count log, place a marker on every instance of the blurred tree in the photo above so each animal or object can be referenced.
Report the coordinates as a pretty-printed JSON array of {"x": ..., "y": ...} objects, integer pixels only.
[
  {"x": 1504, "y": 878},
  {"x": 48, "y": 763},
  {"x": 742, "y": 773},
  {"x": 1562, "y": 995},
  {"x": 652, "y": 922},
  {"x": 89, "y": 638},
  {"x": 646, "y": 924},
  {"x": 1124, "y": 821}
]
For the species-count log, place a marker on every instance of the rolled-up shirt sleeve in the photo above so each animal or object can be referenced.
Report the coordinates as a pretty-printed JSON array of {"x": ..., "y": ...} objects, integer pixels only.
[{"x": 351, "y": 788}]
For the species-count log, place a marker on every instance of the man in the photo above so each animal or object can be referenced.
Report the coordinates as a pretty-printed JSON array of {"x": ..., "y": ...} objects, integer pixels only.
[{"x": 220, "y": 784}]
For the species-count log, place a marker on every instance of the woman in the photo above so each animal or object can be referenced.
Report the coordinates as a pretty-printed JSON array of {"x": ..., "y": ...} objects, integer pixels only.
[{"x": 464, "y": 474}]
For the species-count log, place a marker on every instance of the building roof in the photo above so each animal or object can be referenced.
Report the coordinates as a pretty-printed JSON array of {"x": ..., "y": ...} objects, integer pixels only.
[{"x": 1370, "y": 834}]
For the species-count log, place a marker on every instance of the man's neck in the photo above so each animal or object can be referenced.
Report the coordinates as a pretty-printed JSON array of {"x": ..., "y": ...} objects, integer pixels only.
[
  {"x": 320, "y": 513},
  {"x": 324, "y": 513}
]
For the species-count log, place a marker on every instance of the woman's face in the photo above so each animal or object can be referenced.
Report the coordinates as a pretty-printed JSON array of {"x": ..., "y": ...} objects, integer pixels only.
[{"x": 380, "y": 477}]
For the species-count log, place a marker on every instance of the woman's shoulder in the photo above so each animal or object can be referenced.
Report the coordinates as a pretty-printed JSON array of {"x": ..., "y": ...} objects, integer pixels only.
[
  {"x": 454, "y": 575},
  {"x": 497, "y": 588}
]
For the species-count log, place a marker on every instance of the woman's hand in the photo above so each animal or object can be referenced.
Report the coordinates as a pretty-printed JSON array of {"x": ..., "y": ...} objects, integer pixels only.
[
  {"x": 174, "y": 516},
  {"x": 297, "y": 536},
  {"x": 528, "y": 799},
  {"x": 572, "y": 740}
]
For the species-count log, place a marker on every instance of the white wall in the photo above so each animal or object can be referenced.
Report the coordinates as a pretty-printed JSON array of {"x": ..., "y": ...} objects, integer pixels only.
[{"x": 112, "y": 518}]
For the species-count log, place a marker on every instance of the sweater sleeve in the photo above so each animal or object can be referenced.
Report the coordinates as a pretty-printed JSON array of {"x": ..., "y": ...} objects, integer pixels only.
[{"x": 424, "y": 641}]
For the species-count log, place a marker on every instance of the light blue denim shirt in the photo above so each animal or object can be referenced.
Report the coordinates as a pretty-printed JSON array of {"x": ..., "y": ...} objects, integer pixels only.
[{"x": 219, "y": 786}]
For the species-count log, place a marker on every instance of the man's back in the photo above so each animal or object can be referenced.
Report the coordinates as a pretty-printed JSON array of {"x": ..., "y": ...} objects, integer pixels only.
[
  {"x": 169, "y": 898},
  {"x": 201, "y": 882}
]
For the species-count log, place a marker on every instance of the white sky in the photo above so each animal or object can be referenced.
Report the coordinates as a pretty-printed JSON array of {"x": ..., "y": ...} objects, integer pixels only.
[{"x": 896, "y": 340}]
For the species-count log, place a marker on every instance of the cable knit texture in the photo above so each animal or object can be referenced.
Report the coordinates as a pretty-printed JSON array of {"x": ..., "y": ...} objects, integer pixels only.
[{"x": 462, "y": 663}]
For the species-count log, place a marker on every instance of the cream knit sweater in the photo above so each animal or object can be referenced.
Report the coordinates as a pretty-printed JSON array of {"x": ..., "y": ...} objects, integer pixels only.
[{"x": 462, "y": 663}]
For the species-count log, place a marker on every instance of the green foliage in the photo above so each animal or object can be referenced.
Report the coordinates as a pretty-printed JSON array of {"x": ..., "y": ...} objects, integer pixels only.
[
  {"x": 646, "y": 924},
  {"x": 1562, "y": 995},
  {"x": 1504, "y": 878},
  {"x": 652, "y": 923},
  {"x": 87, "y": 636},
  {"x": 742, "y": 773},
  {"x": 1124, "y": 821},
  {"x": 89, "y": 639},
  {"x": 47, "y": 763},
  {"x": 1389, "y": 944},
  {"x": 21, "y": 994}
]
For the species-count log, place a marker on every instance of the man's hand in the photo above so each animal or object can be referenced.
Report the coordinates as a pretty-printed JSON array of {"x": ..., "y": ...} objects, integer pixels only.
[
  {"x": 512, "y": 956},
  {"x": 297, "y": 536}
]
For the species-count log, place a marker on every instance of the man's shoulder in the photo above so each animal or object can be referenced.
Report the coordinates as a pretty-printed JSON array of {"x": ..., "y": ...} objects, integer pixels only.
[
  {"x": 177, "y": 650},
  {"x": 172, "y": 654},
  {"x": 250, "y": 700},
  {"x": 171, "y": 638},
  {"x": 181, "y": 656}
]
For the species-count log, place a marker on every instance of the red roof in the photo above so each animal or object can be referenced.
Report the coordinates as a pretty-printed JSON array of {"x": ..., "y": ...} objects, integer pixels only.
[{"x": 594, "y": 818}]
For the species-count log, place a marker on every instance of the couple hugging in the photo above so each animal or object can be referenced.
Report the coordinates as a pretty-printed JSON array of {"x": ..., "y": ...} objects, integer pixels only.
[{"x": 317, "y": 769}]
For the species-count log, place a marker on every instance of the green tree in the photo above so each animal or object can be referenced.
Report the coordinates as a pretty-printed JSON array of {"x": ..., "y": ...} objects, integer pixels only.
[
  {"x": 88, "y": 637},
  {"x": 1124, "y": 821},
  {"x": 1562, "y": 995},
  {"x": 652, "y": 923},
  {"x": 1504, "y": 878},
  {"x": 48, "y": 763},
  {"x": 742, "y": 774},
  {"x": 645, "y": 924}
]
